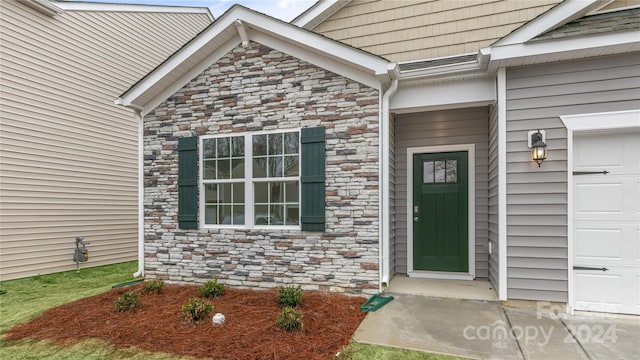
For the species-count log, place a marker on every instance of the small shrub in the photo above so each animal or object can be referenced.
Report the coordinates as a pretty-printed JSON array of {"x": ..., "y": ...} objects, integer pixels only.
[
  {"x": 127, "y": 302},
  {"x": 289, "y": 296},
  {"x": 196, "y": 310},
  {"x": 290, "y": 319},
  {"x": 153, "y": 286},
  {"x": 211, "y": 289}
]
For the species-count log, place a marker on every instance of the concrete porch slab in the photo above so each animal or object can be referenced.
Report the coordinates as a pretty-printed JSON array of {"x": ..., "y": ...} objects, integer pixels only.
[
  {"x": 444, "y": 326},
  {"x": 479, "y": 289}
]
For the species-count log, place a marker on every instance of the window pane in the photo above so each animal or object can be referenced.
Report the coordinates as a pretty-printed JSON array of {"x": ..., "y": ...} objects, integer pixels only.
[
  {"x": 292, "y": 191},
  {"x": 238, "y": 193},
  {"x": 238, "y": 215},
  {"x": 208, "y": 148},
  {"x": 291, "y": 165},
  {"x": 427, "y": 169},
  {"x": 262, "y": 215},
  {"x": 260, "y": 167},
  {"x": 452, "y": 171},
  {"x": 259, "y": 145},
  {"x": 237, "y": 146},
  {"x": 440, "y": 171},
  {"x": 225, "y": 214},
  {"x": 209, "y": 169},
  {"x": 237, "y": 168},
  {"x": 211, "y": 193},
  {"x": 261, "y": 193},
  {"x": 275, "y": 144},
  {"x": 224, "y": 171},
  {"x": 292, "y": 215},
  {"x": 276, "y": 190},
  {"x": 210, "y": 214},
  {"x": 225, "y": 193},
  {"x": 223, "y": 147},
  {"x": 275, "y": 167},
  {"x": 291, "y": 143},
  {"x": 276, "y": 214}
]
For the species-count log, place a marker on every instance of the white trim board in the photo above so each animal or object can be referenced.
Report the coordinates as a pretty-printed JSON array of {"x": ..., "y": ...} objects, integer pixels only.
[
  {"x": 471, "y": 207},
  {"x": 615, "y": 120}
]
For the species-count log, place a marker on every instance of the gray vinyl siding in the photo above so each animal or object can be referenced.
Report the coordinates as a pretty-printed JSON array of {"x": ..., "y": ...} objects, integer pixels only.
[
  {"x": 448, "y": 127},
  {"x": 68, "y": 154},
  {"x": 493, "y": 221},
  {"x": 537, "y": 197},
  {"x": 392, "y": 189}
]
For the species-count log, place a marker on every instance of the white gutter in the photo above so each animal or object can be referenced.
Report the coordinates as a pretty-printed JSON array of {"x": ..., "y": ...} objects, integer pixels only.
[
  {"x": 139, "y": 118},
  {"x": 383, "y": 252}
]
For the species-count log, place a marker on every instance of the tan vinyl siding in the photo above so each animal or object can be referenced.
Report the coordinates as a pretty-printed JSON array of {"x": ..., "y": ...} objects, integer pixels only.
[
  {"x": 537, "y": 197},
  {"x": 450, "y": 127},
  {"x": 414, "y": 30},
  {"x": 493, "y": 222},
  {"x": 68, "y": 154},
  {"x": 619, "y": 4}
]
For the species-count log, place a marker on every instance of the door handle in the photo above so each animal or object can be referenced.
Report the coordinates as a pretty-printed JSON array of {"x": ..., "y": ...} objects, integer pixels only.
[
  {"x": 415, "y": 219},
  {"x": 590, "y": 268}
]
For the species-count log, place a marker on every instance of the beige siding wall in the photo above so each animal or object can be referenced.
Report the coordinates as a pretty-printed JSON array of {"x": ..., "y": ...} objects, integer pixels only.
[
  {"x": 402, "y": 30},
  {"x": 450, "y": 127},
  {"x": 68, "y": 155},
  {"x": 537, "y": 197}
]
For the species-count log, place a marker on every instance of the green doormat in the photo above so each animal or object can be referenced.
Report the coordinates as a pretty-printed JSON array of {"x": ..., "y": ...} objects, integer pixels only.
[{"x": 375, "y": 303}]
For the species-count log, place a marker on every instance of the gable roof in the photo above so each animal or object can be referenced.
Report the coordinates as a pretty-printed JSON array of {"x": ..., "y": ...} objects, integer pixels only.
[{"x": 239, "y": 25}]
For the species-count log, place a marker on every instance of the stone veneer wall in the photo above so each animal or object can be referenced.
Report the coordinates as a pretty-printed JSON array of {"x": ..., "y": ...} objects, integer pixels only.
[{"x": 257, "y": 88}]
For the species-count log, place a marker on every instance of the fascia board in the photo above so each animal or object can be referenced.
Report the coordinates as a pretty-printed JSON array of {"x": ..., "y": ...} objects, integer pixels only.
[
  {"x": 44, "y": 6},
  {"x": 175, "y": 61},
  {"x": 499, "y": 53},
  {"x": 266, "y": 30},
  {"x": 556, "y": 16},
  {"x": 88, "y": 6},
  {"x": 318, "y": 12},
  {"x": 474, "y": 92}
]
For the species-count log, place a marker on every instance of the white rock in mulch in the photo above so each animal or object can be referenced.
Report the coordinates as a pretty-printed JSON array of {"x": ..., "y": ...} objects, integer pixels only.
[{"x": 218, "y": 319}]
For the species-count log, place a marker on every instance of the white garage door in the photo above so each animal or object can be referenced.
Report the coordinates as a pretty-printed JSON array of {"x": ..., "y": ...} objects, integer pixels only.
[{"x": 606, "y": 226}]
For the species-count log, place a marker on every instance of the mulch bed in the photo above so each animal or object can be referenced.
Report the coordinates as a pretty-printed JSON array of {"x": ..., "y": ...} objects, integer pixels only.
[{"x": 249, "y": 332}]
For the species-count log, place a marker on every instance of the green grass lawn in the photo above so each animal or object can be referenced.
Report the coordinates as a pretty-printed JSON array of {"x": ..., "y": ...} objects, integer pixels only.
[{"x": 27, "y": 298}]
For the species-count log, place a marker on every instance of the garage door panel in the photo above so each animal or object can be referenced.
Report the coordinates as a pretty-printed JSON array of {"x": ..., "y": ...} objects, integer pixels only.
[
  {"x": 596, "y": 245},
  {"x": 606, "y": 222}
]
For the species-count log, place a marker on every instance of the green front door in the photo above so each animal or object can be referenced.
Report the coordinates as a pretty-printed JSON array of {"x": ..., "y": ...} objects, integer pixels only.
[{"x": 440, "y": 212}]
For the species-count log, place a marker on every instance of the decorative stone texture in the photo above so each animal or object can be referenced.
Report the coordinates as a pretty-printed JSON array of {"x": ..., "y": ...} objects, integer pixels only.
[{"x": 257, "y": 88}]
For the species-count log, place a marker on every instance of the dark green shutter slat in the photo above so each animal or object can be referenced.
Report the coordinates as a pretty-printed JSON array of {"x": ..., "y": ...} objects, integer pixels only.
[
  {"x": 312, "y": 178},
  {"x": 188, "y": 183}
]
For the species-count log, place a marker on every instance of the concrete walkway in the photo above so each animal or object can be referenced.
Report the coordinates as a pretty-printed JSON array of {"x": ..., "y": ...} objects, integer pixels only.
[{"x": 482, "y": 329}]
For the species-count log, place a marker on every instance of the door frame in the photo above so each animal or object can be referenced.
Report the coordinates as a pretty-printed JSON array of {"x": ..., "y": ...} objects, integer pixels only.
[
  {"x": 471, "y": 202},
  {"x": 615, "y": 120}
]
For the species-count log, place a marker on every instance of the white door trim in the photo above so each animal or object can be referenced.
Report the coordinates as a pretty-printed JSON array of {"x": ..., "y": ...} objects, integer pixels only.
[
  {"x": 629, "y": 119},
  {"x": 471, "y": 179}
]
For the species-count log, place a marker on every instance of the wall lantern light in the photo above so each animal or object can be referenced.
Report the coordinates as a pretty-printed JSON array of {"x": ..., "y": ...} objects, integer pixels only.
[{"x": 536, "y": 142}]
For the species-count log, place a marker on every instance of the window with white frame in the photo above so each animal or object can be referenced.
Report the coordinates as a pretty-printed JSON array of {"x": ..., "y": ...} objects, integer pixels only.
[{"x": 251, "y": 179}]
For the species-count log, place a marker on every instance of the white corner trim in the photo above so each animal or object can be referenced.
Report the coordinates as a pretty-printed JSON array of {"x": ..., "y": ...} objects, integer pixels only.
[
  {"x": 471, "y": 207},
  {"x": 629, "y": 119},
  {"x": 554, "y": 17},
  {"x": 542, "y": 47},
  {"x": 46, "y": 7},
  {"x": 90, "y": 6},
  {"x": 140, "y": 120},
  {"x": 501, "y": 85},
  {"x": 318, "y": 12}
]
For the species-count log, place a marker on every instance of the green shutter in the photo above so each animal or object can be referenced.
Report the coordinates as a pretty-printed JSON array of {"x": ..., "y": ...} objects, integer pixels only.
[
  {"x": 188, "y": 183},
  {"x": 312, "y": 179}
]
